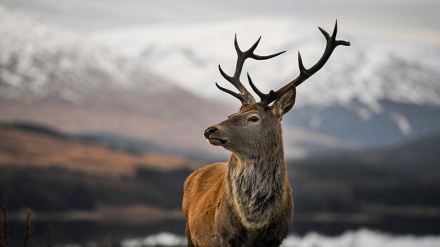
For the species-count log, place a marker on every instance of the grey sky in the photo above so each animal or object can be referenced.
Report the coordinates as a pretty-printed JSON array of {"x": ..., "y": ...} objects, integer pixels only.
[{"x": 91, "y": 15}]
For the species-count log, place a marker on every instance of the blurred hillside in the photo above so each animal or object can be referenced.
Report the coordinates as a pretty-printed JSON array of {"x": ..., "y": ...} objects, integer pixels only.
[
  {"x": 59, "y": 78},
  {"x": 390, "y": 189},
  {"x": 67, "y": 180},
  {"x": 374, "y": 92},
  {"x": 79, "y": 86},
  {"x": 77, "y": 183}
]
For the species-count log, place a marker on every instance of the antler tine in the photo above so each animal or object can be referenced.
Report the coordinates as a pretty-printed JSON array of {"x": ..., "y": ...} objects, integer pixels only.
[
  {"x": 236, "y": 95},
  {"x": 263, "y": 96},
  {"x": 245, "y": 97},
  {"x": 332, "y": 43}
]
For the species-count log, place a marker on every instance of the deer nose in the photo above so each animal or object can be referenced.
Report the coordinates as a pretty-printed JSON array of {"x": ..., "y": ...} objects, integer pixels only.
[{"x": 209, "y": 131}]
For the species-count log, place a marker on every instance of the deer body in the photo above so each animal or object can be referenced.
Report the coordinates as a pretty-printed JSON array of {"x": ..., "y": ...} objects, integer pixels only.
[{"x": 248, "y": 200}]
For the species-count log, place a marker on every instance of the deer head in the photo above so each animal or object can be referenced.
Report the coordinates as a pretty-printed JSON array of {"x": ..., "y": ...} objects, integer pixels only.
[{"x": 256, "y": 128}]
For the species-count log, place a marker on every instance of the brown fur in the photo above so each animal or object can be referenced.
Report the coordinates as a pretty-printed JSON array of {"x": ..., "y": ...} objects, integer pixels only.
[{"x": 248, "y": 200}]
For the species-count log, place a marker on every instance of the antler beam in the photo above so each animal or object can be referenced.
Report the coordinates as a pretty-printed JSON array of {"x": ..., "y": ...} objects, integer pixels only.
[
  {"x": 244, "y": 96},
  {"x": 332, "y": 43}
]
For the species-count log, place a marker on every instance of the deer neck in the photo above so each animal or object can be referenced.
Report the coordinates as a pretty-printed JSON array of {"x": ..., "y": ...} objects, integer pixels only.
[{"x": 256, "y": 184}]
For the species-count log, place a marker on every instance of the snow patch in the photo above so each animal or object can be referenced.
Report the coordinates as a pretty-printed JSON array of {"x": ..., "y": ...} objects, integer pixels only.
[
  {"x": 359, "y": 238},
  {"x": 402, "y": 123},
  {"x": 161, "y": 239}
]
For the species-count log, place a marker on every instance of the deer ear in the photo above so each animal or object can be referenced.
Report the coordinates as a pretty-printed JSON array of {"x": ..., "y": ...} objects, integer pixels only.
[{"x": 284, "y": 103}]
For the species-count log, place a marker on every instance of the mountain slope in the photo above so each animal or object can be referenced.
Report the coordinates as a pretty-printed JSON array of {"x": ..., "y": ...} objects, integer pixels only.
[
  {"x": 392, "y": 189},
  {"x": 86, "y": 189},
  {"x": 33, "y": 145},
  {"x": 65, "y": 79},
  {"x": 384, "y": 91},
  {"x": 394, "y": 123},
  {"x": 71, "y": 82}
]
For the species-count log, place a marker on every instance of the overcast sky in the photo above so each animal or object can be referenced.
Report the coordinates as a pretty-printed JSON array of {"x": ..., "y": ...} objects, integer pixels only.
[{"x": 92, "y": 15}]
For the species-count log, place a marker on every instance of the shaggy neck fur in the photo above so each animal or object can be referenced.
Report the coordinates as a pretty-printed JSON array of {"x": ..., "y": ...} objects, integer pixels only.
[{"x": 256, "y": 184}]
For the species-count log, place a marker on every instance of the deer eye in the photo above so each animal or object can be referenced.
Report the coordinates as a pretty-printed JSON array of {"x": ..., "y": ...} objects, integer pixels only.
[{"x": 254, "y": 119}]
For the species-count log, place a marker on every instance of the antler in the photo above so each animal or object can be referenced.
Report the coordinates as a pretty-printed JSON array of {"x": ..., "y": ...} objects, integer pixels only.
[
  {"x": 332, "y": 43},
  {"x": 244, "y": 96}
]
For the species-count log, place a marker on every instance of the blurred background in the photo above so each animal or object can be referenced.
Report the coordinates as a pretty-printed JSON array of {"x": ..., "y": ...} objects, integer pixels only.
[{"x": 103, "y": 105}]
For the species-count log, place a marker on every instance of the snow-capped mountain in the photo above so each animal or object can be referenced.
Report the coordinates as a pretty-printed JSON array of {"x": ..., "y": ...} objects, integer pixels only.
[
  {"x": 66, "y": 80},
  {"x": 138, "y": 84},
  {"x": 373, "y": 92},
  {"x": 43, "y": 60},
  {"x": 368, "y": 70}
]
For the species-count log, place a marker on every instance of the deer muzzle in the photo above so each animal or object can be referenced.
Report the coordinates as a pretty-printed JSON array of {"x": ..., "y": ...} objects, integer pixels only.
[
  {"x": 211, "y": 134},
  {"x": 209, "y": 131}
]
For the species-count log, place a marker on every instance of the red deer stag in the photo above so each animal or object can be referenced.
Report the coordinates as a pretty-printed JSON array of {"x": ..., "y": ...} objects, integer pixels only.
[{"x": 248, "y": 200}]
